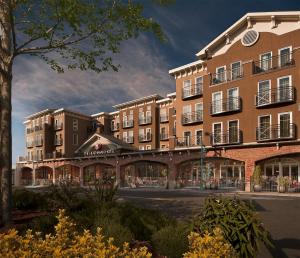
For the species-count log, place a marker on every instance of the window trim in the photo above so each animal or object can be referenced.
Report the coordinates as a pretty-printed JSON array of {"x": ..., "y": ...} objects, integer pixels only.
[
  {"x": 213, "y": 130},
  {"x": 225, "y": 75},
  {"x": 212, "y": 97},
  {"x": 279, "y": 53},
  {"x": 260, "y": 61},
  {"x": 241, "y": 70}
]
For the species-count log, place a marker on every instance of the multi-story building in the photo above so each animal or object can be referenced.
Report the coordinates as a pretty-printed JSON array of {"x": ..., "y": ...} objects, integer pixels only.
[{"x": 235, "y": 107}]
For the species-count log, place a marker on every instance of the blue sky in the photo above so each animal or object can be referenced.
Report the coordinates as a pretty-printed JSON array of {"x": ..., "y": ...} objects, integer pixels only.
[{"x": 188, "y": 24}]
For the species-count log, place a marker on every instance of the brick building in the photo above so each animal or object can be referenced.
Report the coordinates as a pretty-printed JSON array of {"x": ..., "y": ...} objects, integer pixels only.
[{"x": 235, "y": 107}]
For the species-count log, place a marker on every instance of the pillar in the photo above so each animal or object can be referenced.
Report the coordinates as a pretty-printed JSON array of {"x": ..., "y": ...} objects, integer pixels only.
[
  {"x": 81, "y": 176},
  {"x": 53, "y": 174},
  {"x": 18, "y": 172},
  {"x": 118, "y": 174},
  {"x": 172, "y": 172},
  {"x": 33, "y": 176},
  {"x": 249, "y": 168}
]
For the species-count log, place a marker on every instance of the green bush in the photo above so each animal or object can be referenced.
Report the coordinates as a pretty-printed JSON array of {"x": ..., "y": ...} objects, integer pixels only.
[
  {"x": 237, "y": 220},
  {"x": 171, "y": 241},
  {"x": 28, "y": 200}
]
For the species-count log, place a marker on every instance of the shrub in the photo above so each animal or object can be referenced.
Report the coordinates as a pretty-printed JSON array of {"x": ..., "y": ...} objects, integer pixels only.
[
  {"x": 212, "y": 245},
  {"x": 28, "y": 200},
  {"x": 66, "y": 242},
  {"x": 257, "y": 175},
  {"x": 171, "y": 241},
  {"x": 237, "y": 220}
]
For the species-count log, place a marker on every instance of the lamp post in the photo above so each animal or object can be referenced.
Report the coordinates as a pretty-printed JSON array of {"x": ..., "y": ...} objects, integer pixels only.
[{"x": 202, "y": 155}]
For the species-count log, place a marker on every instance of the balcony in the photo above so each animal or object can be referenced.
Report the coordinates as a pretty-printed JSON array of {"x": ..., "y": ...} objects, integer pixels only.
[
  {"x": 279, "y": 95},
  {"x": 227, "y": 138},
  {"x": 225, "y": 105},
  {"x": 145, "y": 120},
  {"x": 192, "y": 91},
  {"x": 58, "y": 126},
  {"x": 128, "y": 124},
  {"x": 38, "y": 143},
  {"x": 188, "y": 141},
  {"x": 115, "y": 127},
  {"x": 275, "y": 132},
  {"x": 227, "y": 75},
  {"x": 192, "y": 117},
  {"x": 58, "y": 142},
  {"x": 128, "y": 139},
  {"x": 29, "y": 130},
  {"x": 164, "y": 118},
  {"x": 38, "y": 128},
  {"x": 163, "y": 136},
  {"x": 29, "y": 144},
  {"x": 273, "y": 63},
  {"x": 145, "y": 137}
]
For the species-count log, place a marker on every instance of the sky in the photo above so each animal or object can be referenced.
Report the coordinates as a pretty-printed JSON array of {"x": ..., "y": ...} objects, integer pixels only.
[{"x": 189, "y": 25}]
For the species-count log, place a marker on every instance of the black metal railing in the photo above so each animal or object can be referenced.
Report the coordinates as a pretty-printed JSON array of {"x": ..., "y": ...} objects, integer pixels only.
[
  {"x": 29, "y": 144},
  {"x": 115, "y": 127},
  {"x": 192, "y": 90},
  {"x": 29, "y": 130},
  {"x": 225, "y": 105},
  {"x": 145, "y": 137},
  {"x": 273, "y": 62},
  {"x": 275, "y": 132},
  {"x": 234, "y": 136},
  {"x": 188, "y": 141},
  {"x": 58, "y": 126},
  {"x": 38, "y": 142},
  {"x": 128, "y": 124},
  {"x": 58, "y": 141},
  {"x": 192, "y": 117},
  {"x": 281, "y": 94},
  {"x": 227, "y": 75},
  {"x": 163, "y": 136},
  {"x": 163, "y": 118},
  {"x": 38, "y": 128},
  {"x": 145, "y": 120}
]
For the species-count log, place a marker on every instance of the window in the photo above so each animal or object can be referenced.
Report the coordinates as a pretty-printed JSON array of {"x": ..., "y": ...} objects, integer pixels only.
[
  {"x": 187, "y": 88},
  {"x": 264, "y": 131},
  {"x": 199, "y": 112},
  {"x": 125, "y": 137},
  {"x": 233, "y": 131},
  {"x": 285, "y": 56},
  {"x": 75, "y": 139},
  {"x": 266, "y": 61},
  {"x": 264, "y": 95},
  {"x": 130, "y": 136},
  {"x": 236, "y": 70},
  {"x": 285, "y": 129},
  {"x": 199, "y": 137},
  {"x": 217, "y": 133},
  {"x": 163, "y": 146},
  {"x": 148, "y": 134},
  {"x": 75, "y": 124},
  {"x": 221, "y": 74},
  {"x": 148, "y": 147},
  {"x": 285, "y": 90},
  {"x": 141, "y": 147},
  {"x": 163, "y": 133},
  {"x": 187, "y": 138},
  {"x": 199, "y": 85},
  {"x": 217, "y": 102},
  {"x": 233, "y": 99},
  {"x": 148, "y": 116}
]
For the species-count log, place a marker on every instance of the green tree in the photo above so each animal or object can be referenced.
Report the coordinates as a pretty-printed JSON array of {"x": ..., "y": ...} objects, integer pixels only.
[{"x": 66, "y": 34}]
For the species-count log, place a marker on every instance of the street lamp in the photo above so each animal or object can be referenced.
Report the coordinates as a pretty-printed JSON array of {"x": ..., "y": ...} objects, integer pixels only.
[{"x": 202, "y": 156}]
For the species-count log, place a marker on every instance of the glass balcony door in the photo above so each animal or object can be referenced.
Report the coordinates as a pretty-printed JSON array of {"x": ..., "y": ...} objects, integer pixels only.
[
  {"x": 236, "y": 70},
  {"x": 217, "y": 102},
  {"x": 284, "y": 89},
  {"x": 233, "y": 132},
  {"x": 217, "y": 133},
  {"x": 233, "y": 95},
  {"x": 284, "y": 125},
  {"x": 266, "y": 61},
  {"x": 285, "y": 57},
  {"x": 264, "y": 95},
  {"x": 264, "y": 128},
  {"x": 187, "y": 138}
]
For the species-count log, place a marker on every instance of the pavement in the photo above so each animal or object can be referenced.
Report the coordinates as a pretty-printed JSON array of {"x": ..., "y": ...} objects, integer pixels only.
[{"x": 279, "y": 212}]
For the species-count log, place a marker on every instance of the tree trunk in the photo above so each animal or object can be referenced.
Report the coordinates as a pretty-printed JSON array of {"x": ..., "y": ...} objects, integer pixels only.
[{"x": 5, "y": 111}]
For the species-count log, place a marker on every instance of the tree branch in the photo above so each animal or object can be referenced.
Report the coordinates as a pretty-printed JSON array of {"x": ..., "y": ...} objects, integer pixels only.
[{"x": 13, "y": 32}]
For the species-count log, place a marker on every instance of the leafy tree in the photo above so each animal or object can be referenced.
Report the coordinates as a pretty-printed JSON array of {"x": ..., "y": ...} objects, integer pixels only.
[{"x": 66, "y": 34}]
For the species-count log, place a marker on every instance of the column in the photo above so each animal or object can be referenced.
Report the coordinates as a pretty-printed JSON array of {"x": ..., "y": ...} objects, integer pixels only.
[
  {"x": 18, "y": 172},
  {"x": 118, "y": 174},
  {"x": 33, "y": 176},
  {"x": 53, "y": 174},
  {"x": 249, "y": 168},
  {"x": 81, "y": 176},
  {"x": 172, "y": 171}
]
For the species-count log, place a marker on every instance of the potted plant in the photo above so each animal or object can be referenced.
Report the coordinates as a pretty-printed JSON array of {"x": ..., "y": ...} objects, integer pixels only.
[
  {"x": 282, "y": 184},
  {"x": 257, "y": 179}
]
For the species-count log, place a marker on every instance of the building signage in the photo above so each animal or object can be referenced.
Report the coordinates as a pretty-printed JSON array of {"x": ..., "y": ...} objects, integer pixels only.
[{"x": 95, "y": 153}]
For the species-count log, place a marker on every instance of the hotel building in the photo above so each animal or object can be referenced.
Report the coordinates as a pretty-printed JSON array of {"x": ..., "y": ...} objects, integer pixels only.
[{"x": 235, "y": 107}]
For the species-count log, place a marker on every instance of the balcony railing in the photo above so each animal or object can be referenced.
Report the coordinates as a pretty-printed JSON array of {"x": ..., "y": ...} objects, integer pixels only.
[
  {"x": 145, "y": 137},
  {"x": 275, "y": 132},
  {"x": 227, "y": 75},
  {"x": 192, "y": 91},
  {"x": 58, "y": 126},
  {"x": 229, "y": 137},
  {"x": 29, "y": 130},
  {"x": 225, "y": 105},
  {"x": 128, "y": 139},
  {"x": 192, "y": 117},
  {"x": 38, "y": 142},
  {"x": 29, "y": 144},
  {"x": 128, "y": 124},
  {"x": 163, "y": 136},
  {"x": 115, "y": 127},
  {"x": 188, "y": 141},
  {"x": 58, "y": 142},
  {"x": 275, "y": 96},
  {"x": 38, "y": 128},
  {"x": 145, "y": 120},
  {"x": 164, "y": 118},
  {"x": 272, "y": 63}
]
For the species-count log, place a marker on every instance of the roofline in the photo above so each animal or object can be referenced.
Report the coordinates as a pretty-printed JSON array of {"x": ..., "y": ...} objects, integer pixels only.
[
  {"x": 163, "y": 100},
  {"x": 48, "y": 110},
  {"x": 173, "y": 94},
  {"x": 114, "y": 112},
  {"x": 135, "y": 101},
  {"x": 70, "y": 111},
  {"x": 99, "y": 114},
  {"x": 180, "y": 68},
  {"x": 240, "y": 22}
]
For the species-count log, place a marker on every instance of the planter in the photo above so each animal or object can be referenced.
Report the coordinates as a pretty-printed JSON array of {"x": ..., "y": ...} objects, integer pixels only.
[
  {"x": 257, "y": 188},
  {"x": 281, "y": 189}
]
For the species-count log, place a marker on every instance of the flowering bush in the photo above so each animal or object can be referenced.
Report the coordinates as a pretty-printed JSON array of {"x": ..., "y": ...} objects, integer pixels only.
[
  {"x": 209, "y": 246},
  {"x": 66, "y": 242}
]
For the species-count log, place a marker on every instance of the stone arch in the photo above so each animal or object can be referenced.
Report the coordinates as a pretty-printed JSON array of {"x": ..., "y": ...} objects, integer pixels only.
[
  {"x": 43, "y": 175},
  {"x": 26, "y": 177},
  {"x": 98, "y": 170},
  {"x": 67, "y": 172},
  {"x": 144, "y": 173}
]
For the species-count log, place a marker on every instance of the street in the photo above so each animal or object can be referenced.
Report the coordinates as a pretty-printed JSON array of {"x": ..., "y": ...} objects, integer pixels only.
[{"x": 280, "y": 214}]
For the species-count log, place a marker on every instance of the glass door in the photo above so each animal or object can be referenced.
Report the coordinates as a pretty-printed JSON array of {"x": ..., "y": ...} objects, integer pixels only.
[
  {"x": 285, "y": 57},
  {"x": 233, "y": 135},
  {"x": 285, "y": 125},
  {"x": 264, "y": 132},
  {"x": 264, "y": 96},
  {"x": 284, "y": 89},
  {"x": 217, "y": 102},
  {"x": 233, "y": 99},
  {"x": 236, "y": 70},
  {"x": 266, "y": 61},
  {"x": 187, "y": 138},
  {"x": 217, "y": 135}
]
